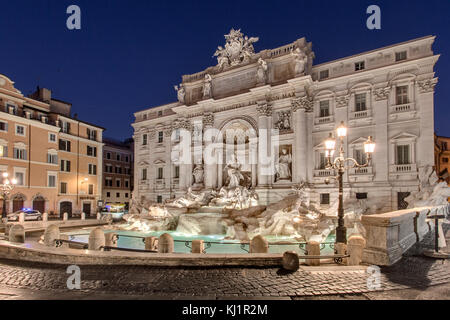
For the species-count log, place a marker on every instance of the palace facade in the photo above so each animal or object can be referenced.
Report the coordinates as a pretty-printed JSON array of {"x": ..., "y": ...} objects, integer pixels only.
[{"x": 387, "y": 93}]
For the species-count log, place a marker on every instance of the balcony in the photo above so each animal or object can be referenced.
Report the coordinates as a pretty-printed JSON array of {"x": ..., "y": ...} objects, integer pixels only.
[
  {"x": 360, "y": 114},
  {"x": 402, "y": 108},
  {"x": 361, "y": 174},
  {"x": 324, "y": 120},
  {"x": 403, "y": 171},
  {"x": 323, "y": 173},
  {"x": 360, "y": 171}
]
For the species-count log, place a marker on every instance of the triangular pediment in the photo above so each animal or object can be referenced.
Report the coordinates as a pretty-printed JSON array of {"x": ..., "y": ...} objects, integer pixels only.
[
  {"x": 360, "y": 140},
  {"x": 159, "y": 161},
  {"x": 143, "y": 163},
  {"x": 404, "y": 136}
]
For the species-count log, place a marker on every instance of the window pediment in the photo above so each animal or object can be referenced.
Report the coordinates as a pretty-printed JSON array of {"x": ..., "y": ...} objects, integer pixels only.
[{"x": 404, "y": 136}]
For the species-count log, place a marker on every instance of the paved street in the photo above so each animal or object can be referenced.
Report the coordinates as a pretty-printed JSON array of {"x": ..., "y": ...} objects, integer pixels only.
[
  {"x": 415, "y": 276},
  {"x": 32, "y": 280}
]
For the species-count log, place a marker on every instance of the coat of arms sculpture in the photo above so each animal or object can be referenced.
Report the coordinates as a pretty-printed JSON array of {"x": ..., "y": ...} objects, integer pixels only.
[{"x": 237, "y": 49}]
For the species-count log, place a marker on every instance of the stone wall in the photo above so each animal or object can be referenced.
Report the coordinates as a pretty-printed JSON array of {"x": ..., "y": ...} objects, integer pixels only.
[{"x": 390, "y": 235}]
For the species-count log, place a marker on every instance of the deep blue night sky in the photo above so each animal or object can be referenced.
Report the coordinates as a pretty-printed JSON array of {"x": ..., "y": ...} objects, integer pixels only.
[{"x": 129, "y": 54}]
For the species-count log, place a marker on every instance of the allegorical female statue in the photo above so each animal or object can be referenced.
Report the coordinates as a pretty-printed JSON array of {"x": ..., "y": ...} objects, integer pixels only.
[
  {"x": 198, "y": 174},
  {"x": 207, "y": 86},
  {"x": 283, "y": 166}
]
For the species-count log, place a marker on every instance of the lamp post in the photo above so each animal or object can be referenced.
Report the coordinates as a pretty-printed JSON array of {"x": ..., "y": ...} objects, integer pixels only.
[
  {"x": 5, "y": 187},
  {"x": 340, "y": 163}
]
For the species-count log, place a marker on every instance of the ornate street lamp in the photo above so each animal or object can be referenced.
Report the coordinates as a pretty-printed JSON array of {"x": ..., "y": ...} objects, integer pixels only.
[
  {"x": 340, "y": 163},
  {"x": 5, "y": 187}
]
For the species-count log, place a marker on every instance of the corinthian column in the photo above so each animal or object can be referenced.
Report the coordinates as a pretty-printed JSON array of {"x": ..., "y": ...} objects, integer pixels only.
[
  {"x": 264, "y": 152},
  {"x": 300, "y": 164},
  {"x": 210, "y": 173}
]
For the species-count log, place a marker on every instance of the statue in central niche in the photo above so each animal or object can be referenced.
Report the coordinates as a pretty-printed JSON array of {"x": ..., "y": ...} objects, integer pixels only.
[{"x": 233, "y": 169}]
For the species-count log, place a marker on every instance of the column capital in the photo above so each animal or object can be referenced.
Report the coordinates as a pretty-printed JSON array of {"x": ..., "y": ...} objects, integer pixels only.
[
  {"x": 427, "y": 85},
  {"x": 305, "y": 102},
  {"x": 381, "y": 93},
  {"x": 264, "y": 109},
  {"x": 208, "y": 119}
]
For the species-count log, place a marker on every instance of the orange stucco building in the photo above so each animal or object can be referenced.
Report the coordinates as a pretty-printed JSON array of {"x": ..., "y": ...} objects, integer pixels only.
[
  {"x": 55, "y": 158},
  {"x": 442, "y": 157}
]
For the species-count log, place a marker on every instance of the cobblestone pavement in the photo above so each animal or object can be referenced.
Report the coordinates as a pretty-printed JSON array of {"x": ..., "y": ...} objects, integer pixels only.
[
  {"x": 42, "y": 281},
  {"x": 215, "y": 283}
]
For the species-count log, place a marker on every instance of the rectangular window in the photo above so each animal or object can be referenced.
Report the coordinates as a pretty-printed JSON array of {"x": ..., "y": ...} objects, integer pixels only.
[
  {"x": 92, "y": 169},
  {"x": 91, "y": 134},
  {"x": 144, "y": 174},
  {"x": 108, "y": 194},
  {"x": 160, "y": 137},
  {"x": 445, "y": 160},
  {"x": 118, "y": 183},
  {"x": 63, "y": 187},
  {"x": 52, "y": 158},
  {"x": 403, "y": 154},
  {"x": 127, "y": 184},
  {"x": 400, "y": 56},
  {"x": 3, "y": 126},
  {"x": 20, "y": 130},
  {"x": 52, "y": 137},
  {"x": 324, "y": 108},
  {"x": 20, "y": 177},
  {"x": 117, "y": 194},
  {"x": 159, "y": 199},
  {"x": 322, "y": 161},
  {"x": 126, "y": 195},
  {"x": 401, "y": 94},
  {"x": 108, "y": 155},
  {"x": 108, "y": 182},
  {"x": 177, "y": 172},
  {"x": 91, "y": 151},
  {"x": 324, "y": 198},
  {"x": 361, "y": 195},
  {"x": 4, "y": 151},
  {"x": 360, "y": 66},
  {"x": 126, "y": 158},
  {"x": 51, "y": 181},
  {"x": 20, "y": 154},
  {"x": 160, "y": 173},
  {"x": 64, "y": 145},
  {"x": 91, "y": 189},
  {"x": 65, "y": 165},
  {"x": 360, "y": 102},
  {"x": 144, "y": 139},
  {"x": 360, "y": 156},
  {"x": 324, "y": 74},
  {"x": 65, "y": 127}
]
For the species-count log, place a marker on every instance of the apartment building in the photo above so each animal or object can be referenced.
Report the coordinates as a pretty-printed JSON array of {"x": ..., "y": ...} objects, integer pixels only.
[
  {"x": 118, "y": 171},
  {"x": 55, "y": 157},
  {"x": 442, "y": 157}
]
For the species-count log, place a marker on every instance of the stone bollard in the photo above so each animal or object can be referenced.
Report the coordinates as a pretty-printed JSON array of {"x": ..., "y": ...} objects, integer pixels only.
[
  {"x": 8, "y": 227},
  {"x": 51, "y": 234},
  {"x": 96, "y": 239},
  {"x": 17, "y": 233},
  {"x": 45, "y": 217},
  {"x": 165, "y": 243},
  {"x": 83, "y": 216},
  {"x": 341, "y": 248},
  {"x": 313, "y": 249},
  {"x": 259, "y": 245},
  {"x": 65, "y": 216},
  {"x": 111, "y": 239},
  {"x": 197, "y": 246},
  {"x": 151, "y": 243},
  {"x": 355, "y": 247},
  {"x": 21, "y": 217},
  {"x": 290, "y": 261}
]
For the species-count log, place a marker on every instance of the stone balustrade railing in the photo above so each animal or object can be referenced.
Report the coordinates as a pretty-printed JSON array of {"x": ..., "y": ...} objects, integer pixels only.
[{"x": 389, "y": 235}]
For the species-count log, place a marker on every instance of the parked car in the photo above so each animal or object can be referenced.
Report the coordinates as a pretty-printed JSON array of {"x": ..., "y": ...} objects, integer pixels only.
[{"x": 28, "y": 215}]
